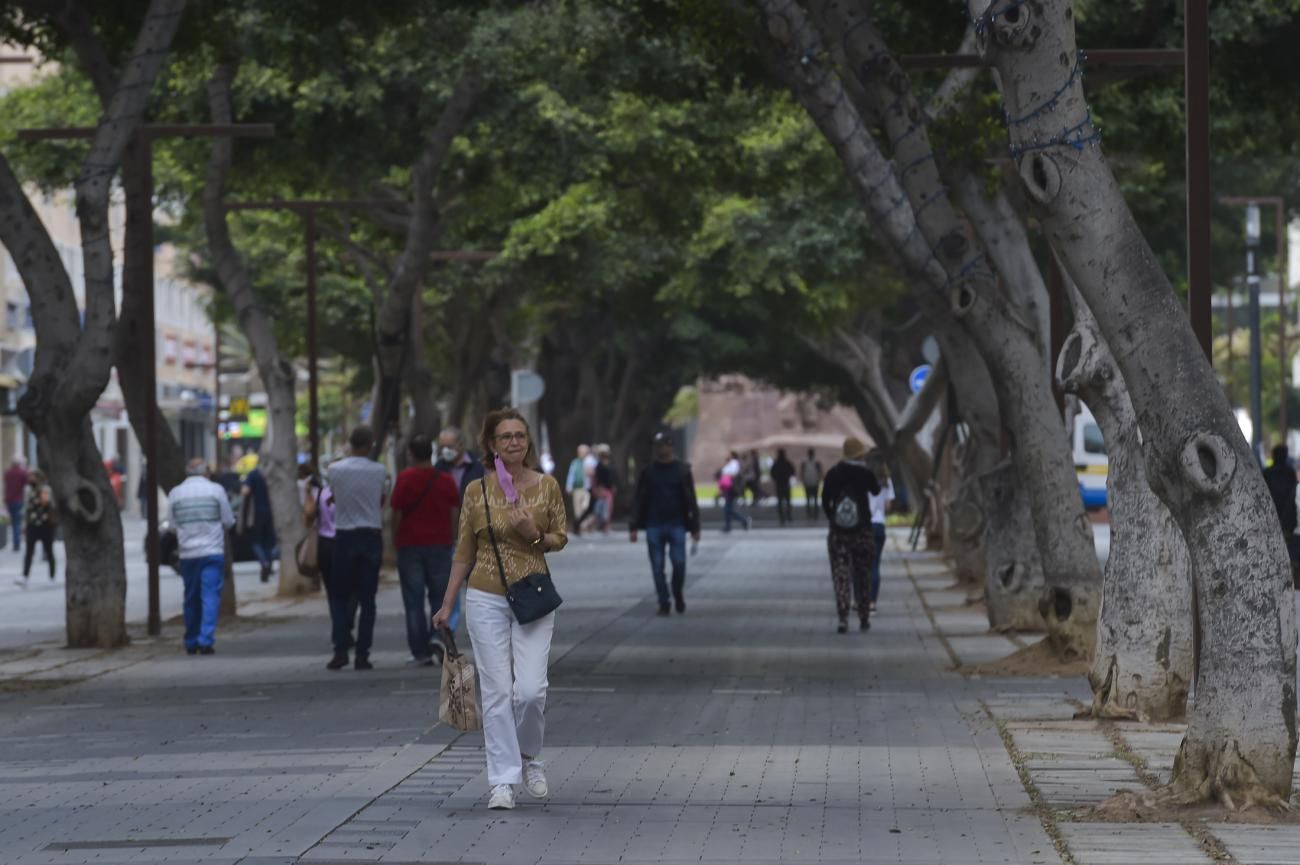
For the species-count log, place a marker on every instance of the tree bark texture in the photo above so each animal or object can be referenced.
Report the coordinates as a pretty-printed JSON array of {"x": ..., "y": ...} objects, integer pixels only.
[
  {"x": 137, "y": 253},
  {"x": 1241, "y": 737},
  {"x": 74, "y": 353},
  {"x": 392, "y": 319},
  {"x": 932, "y": 240},
  {"x": 1143, "y": 665},
  {"x": 1015, "y": 579},
  {"x": 133, "y": 375},
  {"x": 279, "y": 461}
]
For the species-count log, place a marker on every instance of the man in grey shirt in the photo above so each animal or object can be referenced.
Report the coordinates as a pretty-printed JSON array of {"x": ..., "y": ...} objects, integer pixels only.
[{"x": 358, "y": 484}]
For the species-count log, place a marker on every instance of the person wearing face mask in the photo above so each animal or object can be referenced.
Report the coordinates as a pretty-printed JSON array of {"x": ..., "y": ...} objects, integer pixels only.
[{"x": 454, "y": 459}]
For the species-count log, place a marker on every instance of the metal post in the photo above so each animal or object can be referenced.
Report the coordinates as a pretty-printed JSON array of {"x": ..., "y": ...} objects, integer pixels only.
[
  {"x": 1279, "y": 229},
  {"x": 313, "y": 351},
  {"x": 1256, "y": 336},
  {"x": 1231, "y": 326},
  {"x": 1196, "y": 57},
  {"x": 216, "y": 394},
  {"x": 144, "y": 152}
]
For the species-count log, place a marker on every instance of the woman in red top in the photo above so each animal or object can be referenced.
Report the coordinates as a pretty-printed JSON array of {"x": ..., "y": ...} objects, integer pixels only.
[{"x": 425, "y": 503}]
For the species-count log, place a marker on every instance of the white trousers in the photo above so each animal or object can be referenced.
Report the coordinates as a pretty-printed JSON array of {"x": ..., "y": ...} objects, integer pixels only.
[{"x": 512, "y": 661}]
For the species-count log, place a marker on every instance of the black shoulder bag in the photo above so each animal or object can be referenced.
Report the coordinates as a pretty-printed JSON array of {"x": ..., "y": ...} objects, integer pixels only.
[{"x": 532, "y": 597}]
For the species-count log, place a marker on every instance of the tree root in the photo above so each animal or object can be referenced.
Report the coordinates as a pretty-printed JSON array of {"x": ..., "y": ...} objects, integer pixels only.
[
  {"x": 1220, "y": 774},
  {"x": 1040, "y": 659}
]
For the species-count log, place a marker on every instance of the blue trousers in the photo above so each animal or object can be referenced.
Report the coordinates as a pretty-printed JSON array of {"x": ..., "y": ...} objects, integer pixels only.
[
  {"x": 16, "y": 523},
  {"x": 203, "y": 578},
  {"x": 358, "y": 554},
  {"x": 674, "y": 538},
  {"x": 732, "y": 511},
  {"x": 878, "y": 533},
  {"x": 424, "y": 572}
]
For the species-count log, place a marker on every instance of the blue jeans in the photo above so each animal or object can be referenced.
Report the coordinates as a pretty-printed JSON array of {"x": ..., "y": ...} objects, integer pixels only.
[
  {"x": 732, "y": 511},
  {"x": 877, "y": 533},
  {"x": 358, "y": 554},
  {"x": 674, "y": 538},
  {"x": 266, "y": 554},
  {"x": 16, "y": 523},
  {"x": 424, "y": 572},
  {"x": 203, "y": 578}
]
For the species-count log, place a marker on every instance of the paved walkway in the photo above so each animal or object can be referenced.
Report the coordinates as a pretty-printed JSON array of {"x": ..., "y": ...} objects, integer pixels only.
[{"x": 745, "y": 731}]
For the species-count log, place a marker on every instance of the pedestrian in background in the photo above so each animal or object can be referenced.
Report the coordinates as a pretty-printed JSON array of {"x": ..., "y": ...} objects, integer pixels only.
[
  {"x": 666, "y": 509},
  {"x": 1280, "y": 478},
  {"x": 15, "y": 495},
  {"x": 754, "y": 478},
  {"x": 578, "y": 483},
  {"x": 318, "y": 512},
  {"x": 359, "y": 484},
  {"x": 527, "y": 520},
  {"x": 604, "y": 487},
  {"x": 782, "y": 477},
  {"x": 425, "y": 502},
  {"x": 40, "y": 516},
  {"x": 730, "y": 484},
  {"x": 259, "y": 519},
  {"x": 455, "y": 459},
  {"x": 846, "y": 499},
  {"x": 879, "y": 514},
  {"x": 810, "y": 472},
  {"x": 201, "y": 513}
]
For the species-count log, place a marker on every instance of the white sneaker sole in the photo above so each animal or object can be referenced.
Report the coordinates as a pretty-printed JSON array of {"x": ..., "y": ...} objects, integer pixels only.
[{"x": 546, "y": 791}]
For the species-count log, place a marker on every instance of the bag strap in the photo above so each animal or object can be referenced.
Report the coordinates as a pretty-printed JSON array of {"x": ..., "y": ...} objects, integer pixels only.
[
  {"x": 501, "y": 568},
  {"x": 432, "y": 477}
]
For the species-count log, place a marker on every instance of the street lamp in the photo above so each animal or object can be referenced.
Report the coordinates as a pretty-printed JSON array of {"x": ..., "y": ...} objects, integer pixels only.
[{"x": 1256, "y": 360}]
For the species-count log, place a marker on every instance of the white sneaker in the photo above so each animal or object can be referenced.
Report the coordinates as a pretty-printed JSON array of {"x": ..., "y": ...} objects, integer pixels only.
[
  {"x": 535, "y": 779},
  {"x": 503, "y": 798}
]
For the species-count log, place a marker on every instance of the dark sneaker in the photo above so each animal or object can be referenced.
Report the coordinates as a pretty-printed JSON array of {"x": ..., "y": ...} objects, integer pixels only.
[
  {"x": 681, "y": 605},
  {"x": 843, "y": 627},
  {"x": 865, "y": 625},
  {"x": 191, "y": 650},
  {"x": 665, "y": 610},
  {"x": 338, "y": 662},
  {"x": 266, "y": 573},
  {"x": 207, "y": 650},
  {"x": 363, "y": 664}
]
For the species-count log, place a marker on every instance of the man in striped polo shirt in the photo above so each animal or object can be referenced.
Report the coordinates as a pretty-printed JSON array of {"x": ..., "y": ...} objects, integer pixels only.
[
  {"x": 201, "y": 514},
  {"x": 359, "y": 484}
]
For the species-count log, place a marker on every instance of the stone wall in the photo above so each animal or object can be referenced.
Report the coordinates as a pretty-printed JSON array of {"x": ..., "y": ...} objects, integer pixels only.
[{"x": 739, "y": 414}]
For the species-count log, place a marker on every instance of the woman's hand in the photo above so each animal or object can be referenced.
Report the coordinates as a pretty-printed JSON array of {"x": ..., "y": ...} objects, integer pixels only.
[
  {"x": 521, "y": 520},
  {"x": 441, "y": 618}
]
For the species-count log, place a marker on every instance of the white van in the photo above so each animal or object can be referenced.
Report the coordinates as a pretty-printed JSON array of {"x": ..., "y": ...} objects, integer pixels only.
[{"x": 1090, "y": 461}]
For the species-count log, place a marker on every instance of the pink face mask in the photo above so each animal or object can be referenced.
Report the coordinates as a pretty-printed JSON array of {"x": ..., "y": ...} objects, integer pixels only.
[{"x": 507, "y": 482}]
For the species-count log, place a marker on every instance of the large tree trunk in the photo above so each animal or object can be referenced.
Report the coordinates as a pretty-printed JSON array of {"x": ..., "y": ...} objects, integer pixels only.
[
  {"x": 419, "y": 378},
  {"x": 74, "y": 352},
  {"x": 933, "y": 241},
  {"x": 137, "y": 253},
  {"x": 133, "y": 373},
  {"x": 1015, "y": 570},
  {"x": 279, "y": 461},
  {"x": 1241, "y": 738},
  {"x": 392, "y": 319},
  {"x": 1143, "y": 665}
]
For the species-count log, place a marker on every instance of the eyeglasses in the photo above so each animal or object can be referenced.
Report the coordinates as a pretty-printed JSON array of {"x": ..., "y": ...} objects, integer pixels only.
[{"x": 513, "y": 437}]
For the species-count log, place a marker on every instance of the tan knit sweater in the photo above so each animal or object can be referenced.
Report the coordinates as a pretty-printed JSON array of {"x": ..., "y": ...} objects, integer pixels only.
[{"x": 519, "y": 557}]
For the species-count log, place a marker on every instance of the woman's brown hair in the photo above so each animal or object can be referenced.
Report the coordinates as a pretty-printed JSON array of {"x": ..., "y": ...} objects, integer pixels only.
[{"x": 488, "y": 436}]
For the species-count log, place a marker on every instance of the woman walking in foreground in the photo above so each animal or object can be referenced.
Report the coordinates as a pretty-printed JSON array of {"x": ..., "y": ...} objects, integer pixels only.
[{"x": 508, "y": 522}]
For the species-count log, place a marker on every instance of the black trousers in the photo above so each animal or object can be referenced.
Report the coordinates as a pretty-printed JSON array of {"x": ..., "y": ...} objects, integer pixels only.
[{"x": 44, "y": 535}]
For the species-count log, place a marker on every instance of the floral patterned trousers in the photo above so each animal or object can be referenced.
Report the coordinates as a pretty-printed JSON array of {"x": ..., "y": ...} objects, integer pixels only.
[{"x": 852, "y": 555}]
